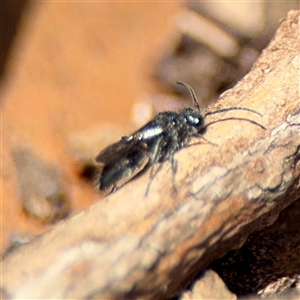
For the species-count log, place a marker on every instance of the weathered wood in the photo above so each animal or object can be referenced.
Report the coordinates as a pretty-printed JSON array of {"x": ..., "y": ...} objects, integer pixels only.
[{"x": 130, "y": 246}]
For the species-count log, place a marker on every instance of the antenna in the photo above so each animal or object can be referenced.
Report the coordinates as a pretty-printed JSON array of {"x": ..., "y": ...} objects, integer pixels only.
[
  {"x": 235, "y": 118},
  {"x": 192, "y": 92},
  {"x": 232, "y": 108},
  {"x": 194, "y": 97}
]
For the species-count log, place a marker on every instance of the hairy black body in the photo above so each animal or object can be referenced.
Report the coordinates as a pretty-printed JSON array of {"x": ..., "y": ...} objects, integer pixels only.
[{"x": 154, "y": 142}]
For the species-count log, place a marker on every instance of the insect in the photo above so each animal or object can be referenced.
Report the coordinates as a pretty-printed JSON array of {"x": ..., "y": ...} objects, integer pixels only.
[{"x": 155, "y": 142}]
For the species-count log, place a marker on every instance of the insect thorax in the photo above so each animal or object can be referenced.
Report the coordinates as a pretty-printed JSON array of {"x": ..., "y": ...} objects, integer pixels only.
[{"x": 179, "y": 128}]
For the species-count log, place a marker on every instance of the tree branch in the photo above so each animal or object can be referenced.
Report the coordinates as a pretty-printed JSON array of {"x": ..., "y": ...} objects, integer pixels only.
[{"x": 130, "y": 245}]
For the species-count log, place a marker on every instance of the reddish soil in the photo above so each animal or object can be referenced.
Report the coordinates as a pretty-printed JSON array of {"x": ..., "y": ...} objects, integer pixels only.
[{"x": 74, "y": 66}]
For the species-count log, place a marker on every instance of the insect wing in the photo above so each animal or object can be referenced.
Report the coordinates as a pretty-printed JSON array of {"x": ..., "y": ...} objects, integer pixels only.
[
  {"x": 114, "y": 152},
  {"x": 117, "y": 174},
  {"x": 121, "y": 162}
]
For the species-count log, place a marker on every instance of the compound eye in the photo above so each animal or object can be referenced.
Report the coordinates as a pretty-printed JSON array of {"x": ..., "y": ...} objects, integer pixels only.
[{"x": 192, "y": 120}]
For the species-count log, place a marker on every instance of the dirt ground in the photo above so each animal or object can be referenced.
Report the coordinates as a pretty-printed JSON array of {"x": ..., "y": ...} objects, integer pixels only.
[{"x": 74, "y": 69}]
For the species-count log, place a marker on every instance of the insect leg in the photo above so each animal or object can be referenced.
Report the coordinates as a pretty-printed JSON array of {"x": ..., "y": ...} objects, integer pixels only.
[
  {"x": 174, "y": 165},
  {"x": 154, "y": 170},
  {"x": 208, "y": 142},
  {"x": 155, "y": 155}
]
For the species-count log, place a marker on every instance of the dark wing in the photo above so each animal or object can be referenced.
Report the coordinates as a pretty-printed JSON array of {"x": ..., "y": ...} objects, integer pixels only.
[
  {"x": 114, "y": 152},
  {"x": 138, "y": 140},
  {"x": 116, "y": 174},
  {"x": 121, "y": 162}
]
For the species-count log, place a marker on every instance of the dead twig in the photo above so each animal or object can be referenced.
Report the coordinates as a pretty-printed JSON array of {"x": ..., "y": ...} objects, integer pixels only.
[{"x": 130, "y": 246}]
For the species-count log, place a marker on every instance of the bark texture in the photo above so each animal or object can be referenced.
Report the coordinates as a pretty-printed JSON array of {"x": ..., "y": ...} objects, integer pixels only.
[{"x": 130, "y": 245}]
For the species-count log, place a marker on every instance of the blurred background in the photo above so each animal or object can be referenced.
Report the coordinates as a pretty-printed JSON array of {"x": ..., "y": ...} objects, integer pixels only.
[{"x": 75, "y": 76}]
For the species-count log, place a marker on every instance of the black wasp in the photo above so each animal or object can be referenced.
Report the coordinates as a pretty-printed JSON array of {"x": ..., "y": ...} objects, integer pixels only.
[{"x": 155, "y": 142}]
